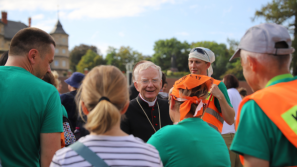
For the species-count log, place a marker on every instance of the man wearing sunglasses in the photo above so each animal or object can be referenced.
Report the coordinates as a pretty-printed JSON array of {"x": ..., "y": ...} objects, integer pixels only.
[{"x": 220, "y": 108}]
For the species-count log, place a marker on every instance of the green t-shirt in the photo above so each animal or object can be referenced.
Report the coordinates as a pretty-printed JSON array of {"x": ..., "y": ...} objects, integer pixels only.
[
  {"x": 192, "y": 142},
  {"x": 259, "y": 137},
  {"x": 64, "y": 112},
  {"x": 29, "y": 107},
  {"x": 223, "y": 89}
]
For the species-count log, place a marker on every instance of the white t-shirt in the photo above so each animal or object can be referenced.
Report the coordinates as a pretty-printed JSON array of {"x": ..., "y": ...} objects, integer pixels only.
[
  {"x": 235, "y": 99},
  {"x": 114, "y": 150}
]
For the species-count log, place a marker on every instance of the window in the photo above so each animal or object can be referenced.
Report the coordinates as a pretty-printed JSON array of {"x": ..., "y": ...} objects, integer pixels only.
[
  {"x": 64, "y": 40},
  {"x": 56, "y": 63},
  {"x": 63, "y": 51},
  {"x": 56, "y": 50},
  {"x": 63, "y": 63}
]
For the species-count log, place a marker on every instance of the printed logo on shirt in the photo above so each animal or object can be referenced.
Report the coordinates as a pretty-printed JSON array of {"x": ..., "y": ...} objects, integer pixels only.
[{"x": 290, "y": 117}]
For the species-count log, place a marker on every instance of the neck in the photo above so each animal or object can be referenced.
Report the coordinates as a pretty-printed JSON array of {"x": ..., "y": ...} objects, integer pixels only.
[
  {"x": 114, "y": 131},
  {"x": 264, "y": 78},
  {"x": 20, "y": 61},
  {"x": 150, "y": 102}
]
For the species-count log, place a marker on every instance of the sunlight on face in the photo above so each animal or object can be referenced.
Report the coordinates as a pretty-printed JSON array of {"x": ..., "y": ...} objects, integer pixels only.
[{"x": 149, "y": 83}]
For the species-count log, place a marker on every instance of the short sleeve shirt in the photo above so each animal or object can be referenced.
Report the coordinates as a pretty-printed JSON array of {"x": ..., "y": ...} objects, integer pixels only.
[
  {"x": 259, "y": 137},
  {"x": 192, "y": 142},
  {"x": 29, "y": 107},
  {"x": 223, "y": 89}
]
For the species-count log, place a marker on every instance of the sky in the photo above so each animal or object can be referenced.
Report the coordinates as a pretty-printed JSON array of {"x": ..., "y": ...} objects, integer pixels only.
[{"x": 138, "y": 23}]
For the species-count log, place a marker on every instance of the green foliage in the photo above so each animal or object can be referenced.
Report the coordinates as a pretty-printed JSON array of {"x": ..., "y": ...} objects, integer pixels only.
[
  {"x": 281, "y": 11},
  {"x": 234, "y": 67},
  {"x": 76, "y": 54},
  {"x": 164, "y": 49},
  {"x": 170, "y": 74},
  {"x": 89, "y": 61},
  {"x": 120, "y": 57}
]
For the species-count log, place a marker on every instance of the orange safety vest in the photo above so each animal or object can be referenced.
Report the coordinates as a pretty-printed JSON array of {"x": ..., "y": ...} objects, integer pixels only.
[
  {"x": 212, "y": 115},
  {"x": 279, "y": 103}
]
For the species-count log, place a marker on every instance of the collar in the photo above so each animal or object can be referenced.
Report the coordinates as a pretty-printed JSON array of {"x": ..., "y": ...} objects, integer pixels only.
[
  {"x": 279, "y": 77},
  {"x": 151, "y": 104}
]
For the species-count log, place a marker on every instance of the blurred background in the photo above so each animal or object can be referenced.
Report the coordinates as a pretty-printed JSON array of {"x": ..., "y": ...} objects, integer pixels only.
[{"x": 121, "y": 32}]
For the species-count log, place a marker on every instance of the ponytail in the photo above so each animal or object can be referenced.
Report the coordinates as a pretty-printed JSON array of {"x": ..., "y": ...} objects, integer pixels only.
[{"x": 104, "y": 116}]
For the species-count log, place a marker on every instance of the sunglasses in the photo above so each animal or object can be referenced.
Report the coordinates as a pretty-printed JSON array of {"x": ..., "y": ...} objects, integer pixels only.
[{"x": 201, "y": 51}]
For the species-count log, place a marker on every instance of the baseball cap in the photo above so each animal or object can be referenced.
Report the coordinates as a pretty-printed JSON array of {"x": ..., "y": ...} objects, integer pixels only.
[{"x": 262, "y": 39}]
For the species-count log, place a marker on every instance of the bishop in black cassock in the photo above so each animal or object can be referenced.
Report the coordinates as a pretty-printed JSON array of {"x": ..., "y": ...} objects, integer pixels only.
[{"x": 137, "y": 123}]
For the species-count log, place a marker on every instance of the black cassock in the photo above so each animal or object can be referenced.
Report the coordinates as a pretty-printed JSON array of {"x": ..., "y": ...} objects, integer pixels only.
[{"x": 136, "y": 122}]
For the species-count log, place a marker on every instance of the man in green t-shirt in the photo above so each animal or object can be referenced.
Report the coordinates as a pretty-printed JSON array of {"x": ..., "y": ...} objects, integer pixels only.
[
  {"x": 31, "y": 112},
  {"x": 200, "y": 60},
  {"x": 265, "y": 52}
]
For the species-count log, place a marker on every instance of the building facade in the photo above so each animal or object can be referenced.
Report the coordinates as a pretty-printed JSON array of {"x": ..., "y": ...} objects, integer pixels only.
[
  {"x": 61, "y": 61},
  {"x": 9, "y": 28}
]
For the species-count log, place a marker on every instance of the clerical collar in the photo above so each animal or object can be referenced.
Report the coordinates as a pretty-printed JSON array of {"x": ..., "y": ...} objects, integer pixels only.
[{"x": 151, "y": 104}]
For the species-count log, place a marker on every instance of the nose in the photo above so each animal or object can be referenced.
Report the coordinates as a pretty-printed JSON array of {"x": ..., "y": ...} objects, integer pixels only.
[
  {"x": 150, "y": 84},
  {"x": 49, "y": 68}
]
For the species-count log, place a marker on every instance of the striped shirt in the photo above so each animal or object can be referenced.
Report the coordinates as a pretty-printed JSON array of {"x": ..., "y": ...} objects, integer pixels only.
[{"x": 114, "y": 150}]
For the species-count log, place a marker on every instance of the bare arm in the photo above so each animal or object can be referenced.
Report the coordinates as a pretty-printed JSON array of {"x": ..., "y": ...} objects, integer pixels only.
[
  {"x": 50, "y": 143},
  {"x": 250, "y": 161},
  {"x": 227, "y": 111}
]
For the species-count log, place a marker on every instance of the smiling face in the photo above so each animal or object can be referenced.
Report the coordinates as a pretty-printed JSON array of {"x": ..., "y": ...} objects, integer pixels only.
[
  {"x": 197, "y": 66},
  {"x": 148, "y": 83}
]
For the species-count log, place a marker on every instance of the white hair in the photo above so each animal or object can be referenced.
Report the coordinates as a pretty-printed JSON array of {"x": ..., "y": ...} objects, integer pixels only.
[
  {"x": 144, "y": 66},
  {"x": 263, "y": 58}
]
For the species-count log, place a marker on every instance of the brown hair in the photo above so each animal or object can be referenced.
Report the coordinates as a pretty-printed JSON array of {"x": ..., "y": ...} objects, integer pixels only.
[
  {"x": 231, "y": 81},
  {"x": 242, "y": 91},
  {"x": 103, "y": 81},
  {"x": 49, "y": 78},
  {"x": 30, "y": 38},
  {"x": 200, "y": 91}
]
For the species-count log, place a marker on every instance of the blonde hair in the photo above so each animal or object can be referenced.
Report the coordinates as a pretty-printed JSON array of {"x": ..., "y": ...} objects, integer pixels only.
[
  {"x": 144, "y": 66},
  {"x": 56, "y": 76},
  {"x": 107, "y": 81}
]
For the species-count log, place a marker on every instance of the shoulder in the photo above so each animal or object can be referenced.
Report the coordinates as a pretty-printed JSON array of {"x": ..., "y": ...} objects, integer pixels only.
[{"x": 167, "y": 132}]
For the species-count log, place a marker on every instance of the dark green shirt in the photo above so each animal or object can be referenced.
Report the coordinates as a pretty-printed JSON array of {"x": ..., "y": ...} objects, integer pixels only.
[
  {"x": 29, "y": 107},
  {"x": 259, "y": 137},
  {"x": 192, "y": 142}
]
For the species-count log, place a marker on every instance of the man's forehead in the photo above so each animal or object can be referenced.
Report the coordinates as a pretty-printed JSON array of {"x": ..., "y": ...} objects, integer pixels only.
[{"x": 195, "y": 59}]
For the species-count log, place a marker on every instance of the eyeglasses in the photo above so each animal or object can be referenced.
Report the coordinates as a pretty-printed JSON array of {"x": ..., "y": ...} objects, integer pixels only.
[
  {"x": 201, "y": 51},
  {"x": 146, "y": 81}
]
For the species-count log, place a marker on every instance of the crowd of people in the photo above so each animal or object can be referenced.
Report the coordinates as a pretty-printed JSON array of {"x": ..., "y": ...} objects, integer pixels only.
[{"x": 102, "y": 121}]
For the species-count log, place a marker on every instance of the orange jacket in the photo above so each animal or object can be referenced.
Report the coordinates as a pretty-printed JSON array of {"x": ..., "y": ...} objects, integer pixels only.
[
  {"x": 279, "y": 103},
  {"x": 212, "y": 115}
]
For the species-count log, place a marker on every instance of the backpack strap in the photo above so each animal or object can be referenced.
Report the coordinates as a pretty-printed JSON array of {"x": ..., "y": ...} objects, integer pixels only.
[{"x": 88, "y": 154}]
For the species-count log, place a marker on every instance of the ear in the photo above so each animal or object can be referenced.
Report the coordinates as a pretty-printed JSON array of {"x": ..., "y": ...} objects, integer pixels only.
[
  {"x": 33, "y": 54},
  {"x": 136, "y": 85},
  {"x": 84, "y": 108},
  {"x": 208, "y": 64},
  {"x": 125, "y": 108},
  {"x": 253, "y": 63},
  {"x": 172, "y": 102}
]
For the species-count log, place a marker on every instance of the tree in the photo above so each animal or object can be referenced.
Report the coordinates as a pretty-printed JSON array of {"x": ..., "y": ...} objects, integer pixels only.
[
  {"x": 120, "y": 57},
  {"x": 222, "y": 56},
  {"x": 77, "y": 53},
  {"x": 234, "y": 67},
  {"x": 281, "y": 11},
  {"x": 89, "y": 60},
  {"x": 164, "y": 49}
]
